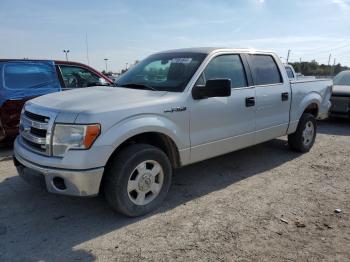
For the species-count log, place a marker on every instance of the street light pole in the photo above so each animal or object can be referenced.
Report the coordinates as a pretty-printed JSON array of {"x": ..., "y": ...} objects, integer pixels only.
[
  {"x": 66, "y": 52},
  {"x": 106, "y": 59}
]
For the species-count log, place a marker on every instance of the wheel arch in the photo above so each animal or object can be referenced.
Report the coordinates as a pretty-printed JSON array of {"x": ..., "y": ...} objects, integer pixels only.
[
  {"x": 156, "y": 139},
  {"x": 309, "y": 104}
]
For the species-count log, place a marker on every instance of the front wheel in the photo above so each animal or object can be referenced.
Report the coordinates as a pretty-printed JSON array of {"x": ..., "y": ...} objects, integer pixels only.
[
  {"x": 138, "y": 179},
  {"x": 304, "y": 137}
]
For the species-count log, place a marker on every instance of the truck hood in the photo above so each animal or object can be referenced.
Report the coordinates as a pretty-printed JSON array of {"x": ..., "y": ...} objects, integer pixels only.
[
  {"x": 95, "y": 99},
  {"x": 341, "y": 90}
]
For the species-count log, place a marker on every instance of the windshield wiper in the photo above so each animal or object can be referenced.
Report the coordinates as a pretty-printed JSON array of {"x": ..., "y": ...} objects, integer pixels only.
[{"x": 139, "y": 86}]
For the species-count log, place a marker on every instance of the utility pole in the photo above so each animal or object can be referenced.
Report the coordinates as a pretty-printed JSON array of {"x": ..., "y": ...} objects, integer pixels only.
[
  {"x": 106, "y": 59},
  {"x": 87, "y": 48},
  {"x": 126, "y": 66},
  {"x": 66, "y": 52},
  {"x": 329, "y": 59},
  {"x": 288, "y": 55},
  {"x": 333, "y": 67}
]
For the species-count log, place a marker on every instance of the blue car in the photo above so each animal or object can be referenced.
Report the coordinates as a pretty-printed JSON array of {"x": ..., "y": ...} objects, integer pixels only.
[{"x": 21, "y": 80}]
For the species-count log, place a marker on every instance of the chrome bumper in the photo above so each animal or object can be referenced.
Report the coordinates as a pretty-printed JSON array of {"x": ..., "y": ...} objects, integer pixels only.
[{"x": 60, "y": 181}]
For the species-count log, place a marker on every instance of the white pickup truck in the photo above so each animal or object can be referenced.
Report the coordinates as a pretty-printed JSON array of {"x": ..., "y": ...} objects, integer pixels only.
[{"x": 173, "y": 109}]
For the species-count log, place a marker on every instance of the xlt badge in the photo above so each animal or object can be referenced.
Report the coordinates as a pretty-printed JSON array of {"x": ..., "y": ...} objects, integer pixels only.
[{"x": 175, "y": 109}]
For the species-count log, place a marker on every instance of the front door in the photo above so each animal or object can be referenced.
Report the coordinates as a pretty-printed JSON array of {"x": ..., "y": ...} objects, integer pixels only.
[{"x": 220, "y": 125}]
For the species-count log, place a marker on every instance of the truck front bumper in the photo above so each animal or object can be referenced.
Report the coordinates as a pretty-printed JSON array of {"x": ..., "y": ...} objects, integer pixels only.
[{"x": 60, "y": 181}]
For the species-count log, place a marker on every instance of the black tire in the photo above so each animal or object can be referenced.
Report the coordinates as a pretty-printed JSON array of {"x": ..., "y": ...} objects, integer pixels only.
[
  {"x": 121, "y": 169},
  {"x": 296, "y": 140}
]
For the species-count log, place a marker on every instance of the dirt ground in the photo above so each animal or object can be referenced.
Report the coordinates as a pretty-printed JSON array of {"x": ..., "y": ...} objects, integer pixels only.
[{"x": 264, "y": 203}]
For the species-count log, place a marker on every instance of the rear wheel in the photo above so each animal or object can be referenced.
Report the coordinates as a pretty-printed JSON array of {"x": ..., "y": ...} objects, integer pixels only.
[
  {"x": 138, "y": 180},
  {"x": 304, "y": 137}
]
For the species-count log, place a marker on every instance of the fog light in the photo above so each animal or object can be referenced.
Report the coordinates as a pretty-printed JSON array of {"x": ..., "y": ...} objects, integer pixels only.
[{"x": 58, "y": 182}]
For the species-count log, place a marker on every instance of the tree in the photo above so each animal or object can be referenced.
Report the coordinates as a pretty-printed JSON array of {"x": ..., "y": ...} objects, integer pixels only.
[{"x": 315, "y": 69}]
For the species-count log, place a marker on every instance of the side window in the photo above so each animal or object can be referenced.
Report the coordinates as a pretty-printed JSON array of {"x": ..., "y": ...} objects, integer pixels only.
[
  {"x": 227, "y": 67},
  {"x": 264, "y": 70},
  {"x": 289, "y": 72},
  {"x": 76, "y": 77},
  {"x": 28, "y": 75}
]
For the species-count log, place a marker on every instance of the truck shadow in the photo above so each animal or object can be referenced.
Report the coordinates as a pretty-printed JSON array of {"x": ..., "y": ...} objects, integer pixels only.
[
  {"x": 334, "y": 126},
  {"x": 50, "y": 227},
  {"x": 6, "y": 151}
]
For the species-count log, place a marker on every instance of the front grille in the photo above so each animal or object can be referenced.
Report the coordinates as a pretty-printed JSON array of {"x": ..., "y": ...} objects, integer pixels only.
[
  {"x": 340, "y": 104},
  {"x": 36, "y": 146},
  {"x": 36, "y": 117},
  {"x": 34, "y": 130},
  {"x": 38, "y": 132}
]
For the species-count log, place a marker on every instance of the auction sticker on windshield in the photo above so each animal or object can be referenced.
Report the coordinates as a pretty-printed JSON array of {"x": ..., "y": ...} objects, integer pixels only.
[{"x": 179, "y": 60}]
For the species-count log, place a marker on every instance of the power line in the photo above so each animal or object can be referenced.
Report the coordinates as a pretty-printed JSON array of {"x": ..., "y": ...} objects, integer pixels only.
[{"x": 323, "y": 51}]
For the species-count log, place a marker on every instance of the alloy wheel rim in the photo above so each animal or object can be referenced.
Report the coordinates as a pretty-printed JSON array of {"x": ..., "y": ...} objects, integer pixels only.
[
  {"x": 308, "y": 133},
  {"x": 145, "y": 182}
]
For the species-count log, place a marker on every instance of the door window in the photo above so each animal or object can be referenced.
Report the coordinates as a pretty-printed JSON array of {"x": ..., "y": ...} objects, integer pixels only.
[
  {"x": 76, "y": 77},
  {"x": 225, "y": 67},
  {"x": 264, "y": 70}
]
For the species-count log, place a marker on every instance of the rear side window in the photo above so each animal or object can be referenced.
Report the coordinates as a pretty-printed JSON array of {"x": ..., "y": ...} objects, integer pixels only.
[
  {"x": 264, "y": 70},
  {"x": 28, "y": 75},
  {"x": 226, "y": 67}
]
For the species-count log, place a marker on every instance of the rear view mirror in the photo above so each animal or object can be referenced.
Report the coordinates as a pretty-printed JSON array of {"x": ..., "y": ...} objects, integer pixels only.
[{"x": 212, "y": 88}]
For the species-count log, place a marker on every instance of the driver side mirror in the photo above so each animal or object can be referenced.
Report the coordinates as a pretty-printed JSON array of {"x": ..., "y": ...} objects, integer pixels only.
[{"x": 212, "y": 88}]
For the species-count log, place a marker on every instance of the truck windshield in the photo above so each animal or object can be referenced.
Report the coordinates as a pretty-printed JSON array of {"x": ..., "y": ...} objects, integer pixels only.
[
  {"x": 342, "y": 79},
  {"x": 162, "y": 72}
]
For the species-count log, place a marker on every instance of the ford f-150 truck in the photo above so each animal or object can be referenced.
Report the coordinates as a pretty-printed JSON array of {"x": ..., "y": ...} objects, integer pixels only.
[{"x": 172, "y": 109}]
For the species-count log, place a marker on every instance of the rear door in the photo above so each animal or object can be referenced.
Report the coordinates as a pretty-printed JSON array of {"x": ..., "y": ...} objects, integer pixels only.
[{"x": 272, "y": 97}]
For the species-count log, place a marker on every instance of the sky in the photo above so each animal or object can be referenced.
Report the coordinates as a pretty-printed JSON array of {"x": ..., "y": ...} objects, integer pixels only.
[{"x": 125, "y": 31}]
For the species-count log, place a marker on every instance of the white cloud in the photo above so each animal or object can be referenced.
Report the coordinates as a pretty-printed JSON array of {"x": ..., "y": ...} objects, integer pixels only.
[{"x": 343, "y": 4}]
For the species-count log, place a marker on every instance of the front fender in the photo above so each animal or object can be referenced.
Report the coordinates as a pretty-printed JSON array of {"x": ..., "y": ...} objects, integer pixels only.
[{"x": 144, "y": 123}]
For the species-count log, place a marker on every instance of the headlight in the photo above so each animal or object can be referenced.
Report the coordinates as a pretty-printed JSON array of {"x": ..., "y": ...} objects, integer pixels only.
[{"x": 73, "y": 137}]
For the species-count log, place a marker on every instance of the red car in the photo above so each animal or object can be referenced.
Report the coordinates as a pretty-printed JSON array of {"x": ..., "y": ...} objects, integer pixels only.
[{"x": 21, "y": 80}]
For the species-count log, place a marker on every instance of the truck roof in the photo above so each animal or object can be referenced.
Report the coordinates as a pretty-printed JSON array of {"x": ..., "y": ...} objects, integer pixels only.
[{"x": 208, "y": 50}]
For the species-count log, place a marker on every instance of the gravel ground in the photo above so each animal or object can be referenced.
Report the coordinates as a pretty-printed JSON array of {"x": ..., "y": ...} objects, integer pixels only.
[{"x": 264, "y": 203}]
